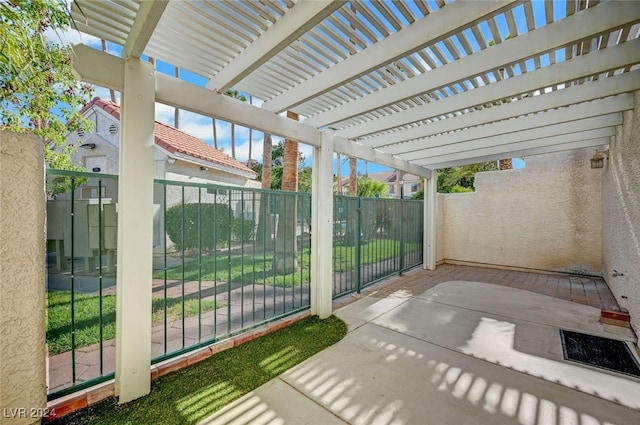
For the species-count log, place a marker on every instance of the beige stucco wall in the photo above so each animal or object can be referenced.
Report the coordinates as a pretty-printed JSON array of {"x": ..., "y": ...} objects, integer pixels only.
[
  {"x": 621, "y": 214},
  {"x": 440, "y": 241},
  {"x": 546, "y": 216},
  {"x": 22, "y": 304}
]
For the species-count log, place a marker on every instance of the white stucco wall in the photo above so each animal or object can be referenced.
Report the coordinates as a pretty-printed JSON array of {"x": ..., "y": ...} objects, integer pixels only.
[
  {"x": 545, "y": 217},
  {"x": 621, "y": 214},
  {"x": 440, "y": 241},
  {"x": 106, "y": 143},
  {"x": 106, "y": 136}
]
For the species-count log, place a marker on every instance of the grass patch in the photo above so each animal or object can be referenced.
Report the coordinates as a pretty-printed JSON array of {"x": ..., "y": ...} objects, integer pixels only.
[
  {"x": 371, "y": 252},
  {"x": 190, "y": 395},
  {"x": 244, "y": 269},
  {"x": 248, "y": 269},
  {"x": 87, "y": 317}
]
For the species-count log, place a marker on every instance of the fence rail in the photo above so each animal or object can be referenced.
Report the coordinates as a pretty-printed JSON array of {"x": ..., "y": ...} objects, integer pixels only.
[
  {"x": 373, "y": 239},
  {"x": 225, "y": 260}
]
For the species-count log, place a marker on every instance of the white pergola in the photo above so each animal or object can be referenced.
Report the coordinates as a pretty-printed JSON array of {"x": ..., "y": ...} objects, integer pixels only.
[{"x": 415, "y": 86}]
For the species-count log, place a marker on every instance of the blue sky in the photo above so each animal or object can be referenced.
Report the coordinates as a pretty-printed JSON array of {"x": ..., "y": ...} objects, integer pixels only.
[{"x": 201, "y": 126}]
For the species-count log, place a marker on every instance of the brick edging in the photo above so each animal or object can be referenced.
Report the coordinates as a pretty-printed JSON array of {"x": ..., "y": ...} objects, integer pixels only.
[{"x": 87, "y": 397}]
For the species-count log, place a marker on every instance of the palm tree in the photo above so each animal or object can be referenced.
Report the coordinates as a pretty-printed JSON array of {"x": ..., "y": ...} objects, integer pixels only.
[
  {"x": 339, "y": 174},
  {"x": 353, "y": 176},
  {"x": 236, "y": 95},
  {"x": 370, "y": 188},
  {"x": 286, "y": 241},
  {"x": 463, "y": 176},
  {"x": 267, "y": 148},
  {"x": 250, "y": 137},
  {"x": 176, "y": 112},
  {"x": 291, "y": 156},
  {"x": 264, "y": 222},
  {"x": 505, "y": 164},
  {"x": 112, "y": 93},
  {"x": 215, "y": 133}
]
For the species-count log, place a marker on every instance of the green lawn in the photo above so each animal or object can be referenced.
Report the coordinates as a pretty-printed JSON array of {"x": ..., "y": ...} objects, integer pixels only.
[
  {"x": 243, "y": 269},
  {"x": 87, "y": 317},
  {"x": 371, "y": 252},
  {"x": 250, "y": 268},
  {"x": 190, "y": 395}
]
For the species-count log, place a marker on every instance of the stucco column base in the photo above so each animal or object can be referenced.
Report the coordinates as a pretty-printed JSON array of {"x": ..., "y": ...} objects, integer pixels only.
[{"x": 23, "y": 393}]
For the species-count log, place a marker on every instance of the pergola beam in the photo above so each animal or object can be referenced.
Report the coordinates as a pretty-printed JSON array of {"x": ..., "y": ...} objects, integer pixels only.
[
  {"x": 508, "y": 149},
  {"x": 189, "y": 97},
  {"x": 512, "y": 127},
  {"x": 147, "y": 18},
  {"x": 449, "y": 20},
  {"x": 356, "y": 150},
  {"x": 298, "y": 20},
  {"x": 589, "y": 143},
  {"x": 100, "y": 68},
  {"x": 625, "y": 83},
  {"x": 579, "y": 67},
  {"x": 536, "y": 133},
  {"x": 604, "y": 17}
]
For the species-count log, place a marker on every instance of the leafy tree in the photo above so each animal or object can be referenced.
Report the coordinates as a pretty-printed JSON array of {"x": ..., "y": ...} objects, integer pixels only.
[
  {"x": 461, "y": 179},
  {"x": 38, "y": 92},
  {"x": 277, "y": 167},
  {"x": 370, "y": 188},
  {"x": 304, "y": 179}
]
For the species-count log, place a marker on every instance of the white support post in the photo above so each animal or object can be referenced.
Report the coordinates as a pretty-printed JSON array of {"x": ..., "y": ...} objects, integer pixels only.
[
  {"x": 135, "y": 232},
  {"x": 322, "y": 228},
  {"x": 429, "y": 251}
]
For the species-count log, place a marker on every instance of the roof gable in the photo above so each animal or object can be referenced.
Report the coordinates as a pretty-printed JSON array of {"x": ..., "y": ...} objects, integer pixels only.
[{"x": 173, "y": 140}]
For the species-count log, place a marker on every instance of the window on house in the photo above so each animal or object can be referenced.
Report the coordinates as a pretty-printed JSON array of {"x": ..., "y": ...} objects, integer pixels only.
[{"x": 414, "y": 187}]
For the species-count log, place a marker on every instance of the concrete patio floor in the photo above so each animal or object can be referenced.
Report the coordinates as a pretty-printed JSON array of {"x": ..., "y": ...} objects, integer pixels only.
[{"x": 457, "y": 352}]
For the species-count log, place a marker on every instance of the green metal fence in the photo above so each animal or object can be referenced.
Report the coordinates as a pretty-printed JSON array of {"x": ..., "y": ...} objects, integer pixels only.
[
  {"x": 81, "y": 279},
  {"x": 225, "y": 260},
  {"x": 373, "y": 239},
  {"x": 232, "y": 259}
]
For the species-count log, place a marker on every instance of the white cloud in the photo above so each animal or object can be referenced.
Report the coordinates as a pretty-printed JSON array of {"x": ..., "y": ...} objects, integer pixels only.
[
  {"x": 71, "y": 36},
  {"x": 104, "y": 93},
  {"x": 242, "y": 147},
  {"x": 165, "y": 113},
  {"x": 201, "y": 127}
]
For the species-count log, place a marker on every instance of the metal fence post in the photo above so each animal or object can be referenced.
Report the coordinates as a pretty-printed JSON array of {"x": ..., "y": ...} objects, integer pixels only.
[
  {"x": 401, "y": 240},
  {"x": 358, "y": 244}
]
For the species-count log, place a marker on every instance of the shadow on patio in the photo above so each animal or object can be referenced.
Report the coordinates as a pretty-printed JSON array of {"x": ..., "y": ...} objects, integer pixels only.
[{"x": 442, "y": 347}]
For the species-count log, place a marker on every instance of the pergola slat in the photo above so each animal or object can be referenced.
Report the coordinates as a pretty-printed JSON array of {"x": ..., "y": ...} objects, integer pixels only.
[
  {"x": 579, "y": 67},
  {"x": 450, "y": 20}
]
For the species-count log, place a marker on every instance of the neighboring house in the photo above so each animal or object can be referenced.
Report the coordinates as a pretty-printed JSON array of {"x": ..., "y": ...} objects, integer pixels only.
[
  {"x": 178, "y": 155},
  {"x": 409, "y": 188}
]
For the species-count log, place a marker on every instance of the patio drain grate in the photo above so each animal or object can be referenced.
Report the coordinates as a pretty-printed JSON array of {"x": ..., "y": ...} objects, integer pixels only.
[{"x": 600, "y": 352}]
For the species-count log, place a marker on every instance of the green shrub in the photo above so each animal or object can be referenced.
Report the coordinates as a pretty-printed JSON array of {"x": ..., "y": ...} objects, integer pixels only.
[
  {"x": 460, "y": 189},
  {"x": 214, "y": 225},
  {"x": 243, "y": 229}
]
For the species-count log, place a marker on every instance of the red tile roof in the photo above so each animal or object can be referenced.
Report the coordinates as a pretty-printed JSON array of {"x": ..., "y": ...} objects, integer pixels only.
[{"x": 173, "y": 140}]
